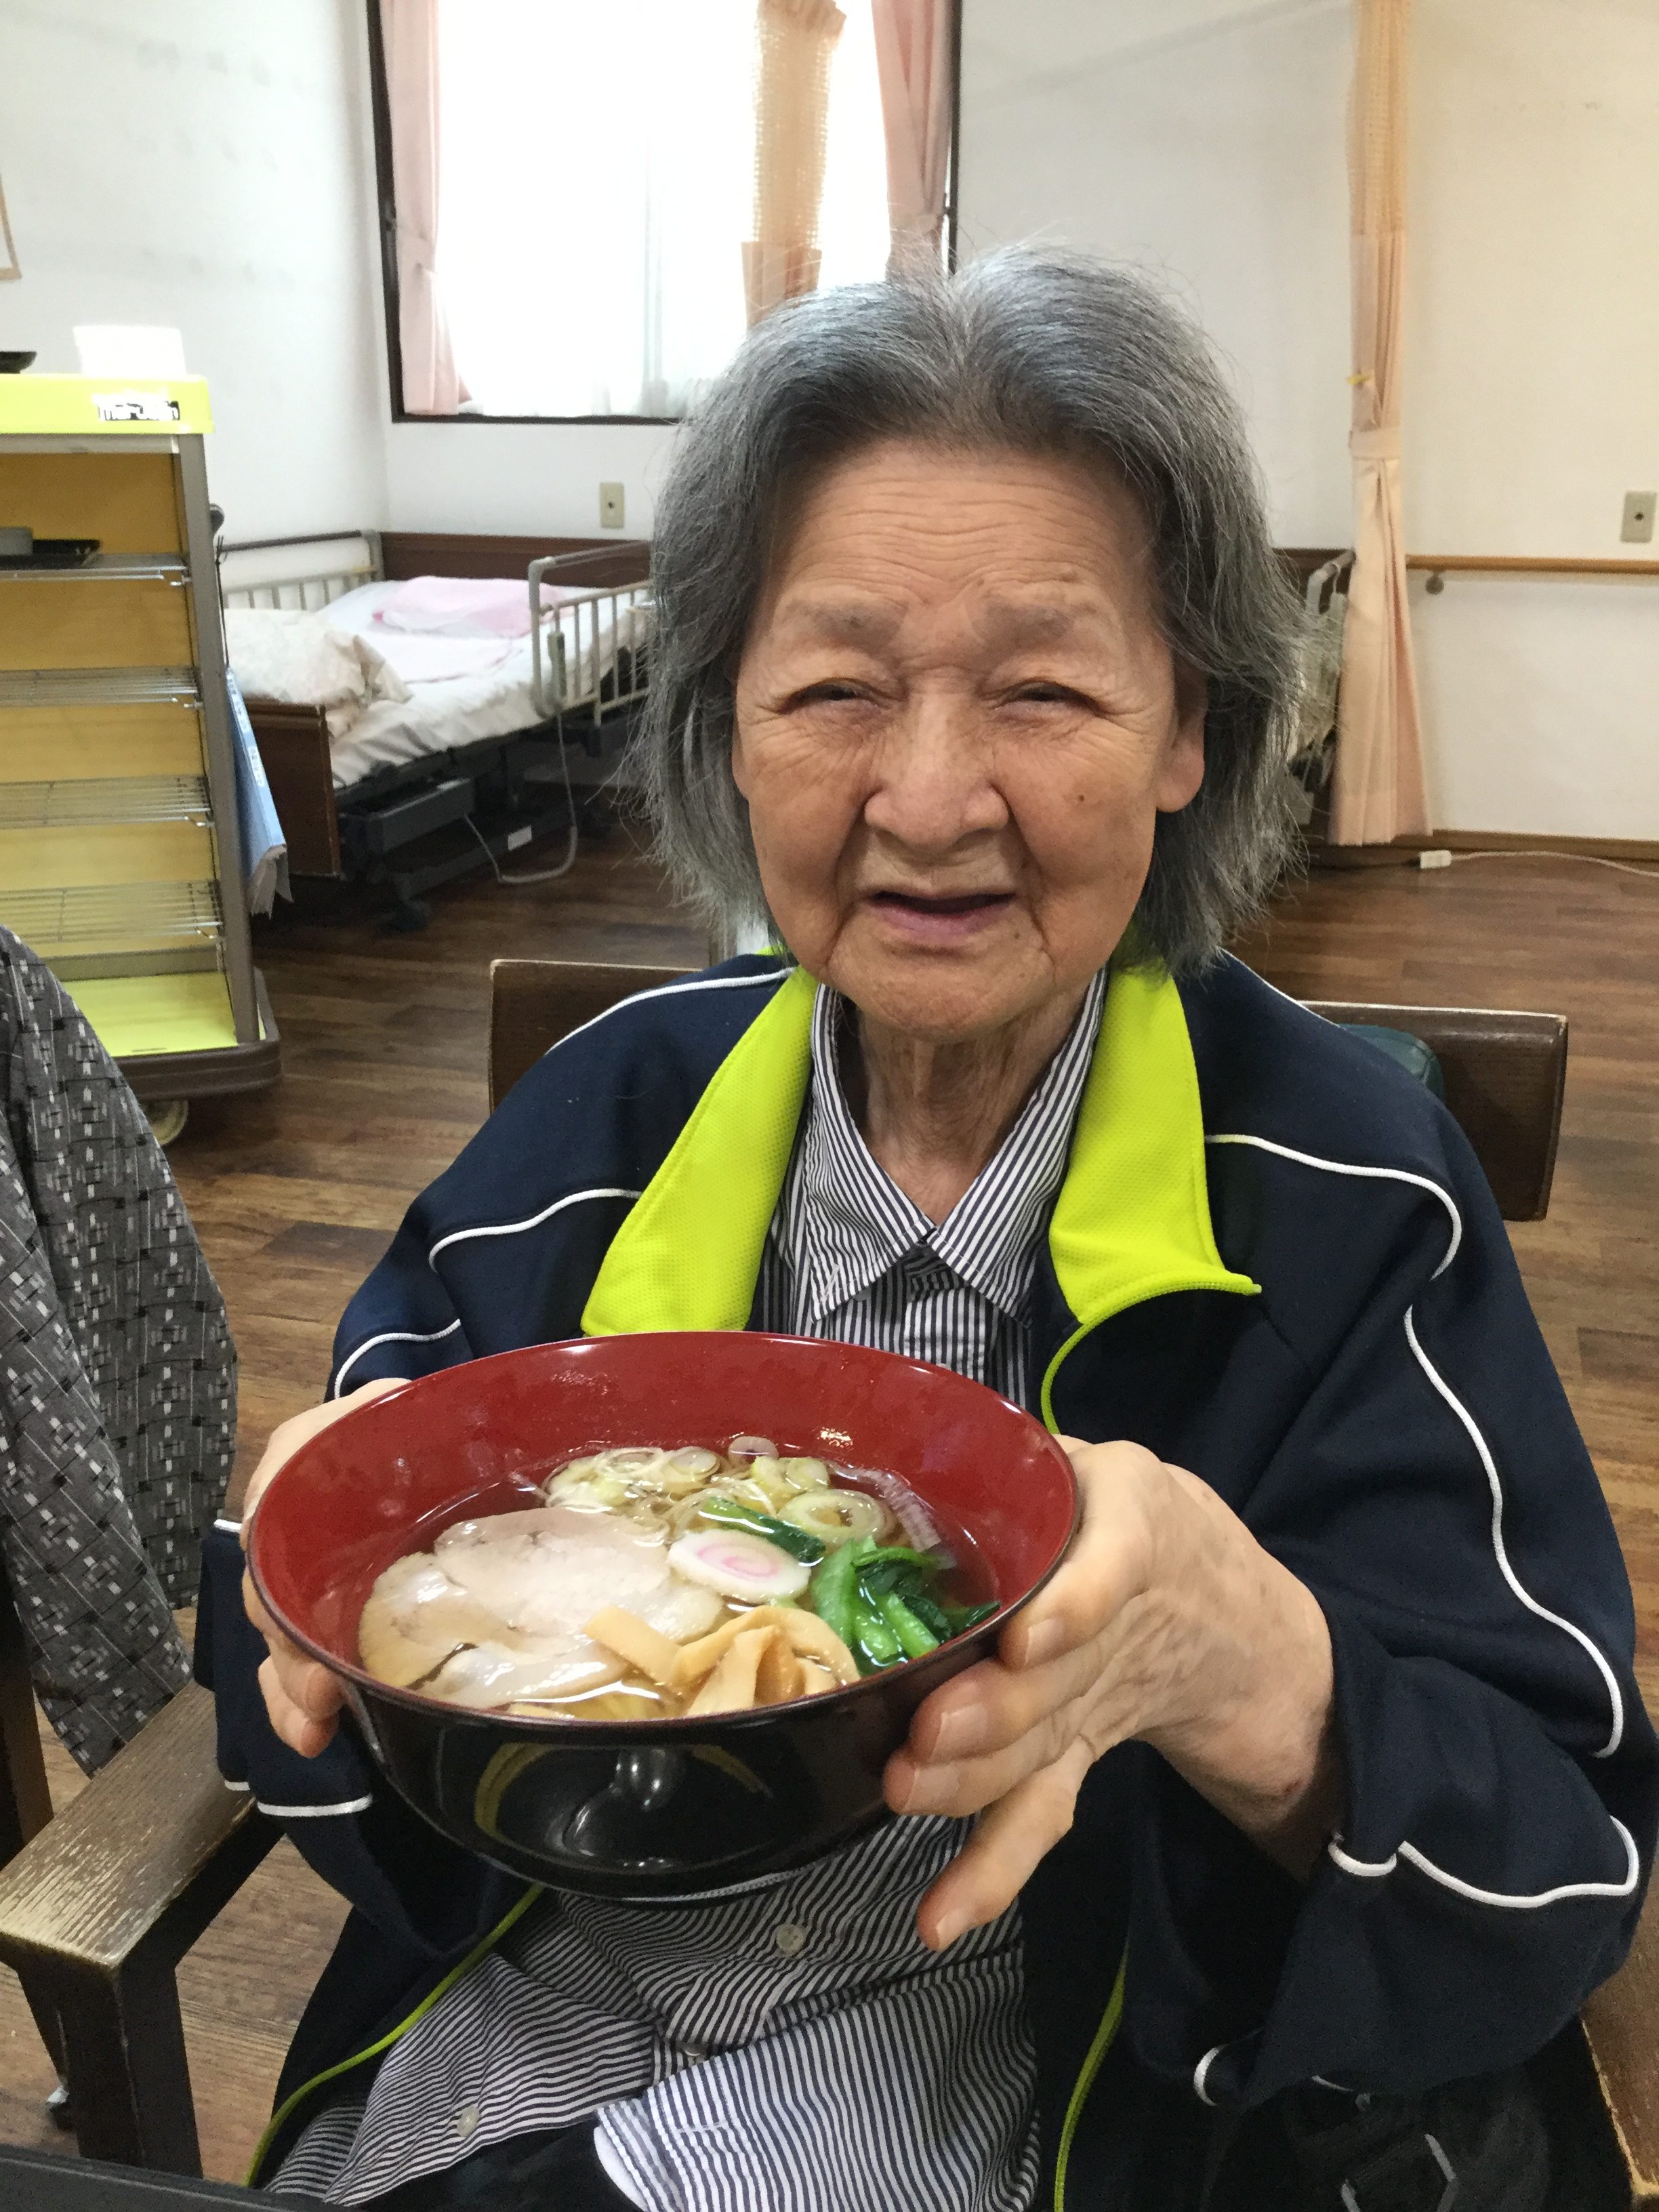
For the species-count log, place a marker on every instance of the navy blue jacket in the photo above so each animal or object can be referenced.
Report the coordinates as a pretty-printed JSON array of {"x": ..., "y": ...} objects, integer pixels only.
[{"x": 1357, "y": 1374}]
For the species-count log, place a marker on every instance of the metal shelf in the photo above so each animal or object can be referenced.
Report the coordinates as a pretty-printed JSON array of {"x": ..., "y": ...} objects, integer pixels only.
[
  {"x": 178, "y": 826},
  {"x": 104, "y": 799},
  {"x": 98, "y": 687},
  {"x": 110, "y": 915},
  {"x": 121, "y": 568}
]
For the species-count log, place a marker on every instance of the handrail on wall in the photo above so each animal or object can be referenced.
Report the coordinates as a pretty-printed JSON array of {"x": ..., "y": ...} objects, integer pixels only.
[{"x": 1439, "y": 565}]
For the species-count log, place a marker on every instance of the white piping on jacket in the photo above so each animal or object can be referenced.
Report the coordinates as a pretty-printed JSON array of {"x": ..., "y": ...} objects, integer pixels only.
[
  {"x": 1354, "y": 1168},
  {"x": 669, "y": 991},
  {"x": 535, "y": 1221},
  {"x": 661, "y": 991},
  {"x": 1505, "y": 1568},
  {"x": 1376, "y": 1869},
  {"x": 514, "y": 1228},
  {"x": 299, "y": 1812},
  {"x": 390, "y": 1336},
  {"x": 313, "y": 1812}
]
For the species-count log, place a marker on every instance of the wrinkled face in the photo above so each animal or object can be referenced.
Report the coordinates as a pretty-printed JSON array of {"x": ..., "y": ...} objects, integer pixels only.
[{"x": 956, "y": 723}]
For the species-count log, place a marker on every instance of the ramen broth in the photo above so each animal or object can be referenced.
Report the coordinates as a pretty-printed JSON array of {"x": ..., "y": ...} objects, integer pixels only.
[{"x": 652, "y": 1582}]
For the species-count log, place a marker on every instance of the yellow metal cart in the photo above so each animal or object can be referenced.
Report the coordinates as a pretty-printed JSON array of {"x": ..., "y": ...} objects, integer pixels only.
[{"x": 119, "y": 860}]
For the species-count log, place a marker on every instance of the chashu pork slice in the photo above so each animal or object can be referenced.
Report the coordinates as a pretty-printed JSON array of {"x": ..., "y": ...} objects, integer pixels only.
[
  {"x": 416, "y": 1617},
  {"x": 548, "y": 1571},
  {"x": 418, "y": 1627},
  {"x": 493, "y": 1675}
]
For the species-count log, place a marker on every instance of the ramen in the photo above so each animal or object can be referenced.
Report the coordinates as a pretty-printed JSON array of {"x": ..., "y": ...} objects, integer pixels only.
[{"x": 651, "y": 1582}]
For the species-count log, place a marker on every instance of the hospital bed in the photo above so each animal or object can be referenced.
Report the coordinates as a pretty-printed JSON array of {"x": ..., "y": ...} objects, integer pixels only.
[{"x": 498, "y": 737}]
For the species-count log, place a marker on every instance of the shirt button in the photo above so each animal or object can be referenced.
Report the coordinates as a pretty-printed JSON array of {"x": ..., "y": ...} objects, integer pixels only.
[
  {"x": 791, "y": 1939},
  {"x": 466, "y": 2120}
]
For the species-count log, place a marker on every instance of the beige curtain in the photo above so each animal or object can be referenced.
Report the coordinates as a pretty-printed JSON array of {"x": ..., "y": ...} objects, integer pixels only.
[
  {"x": 1377, "y": 789},
  {"x": 796, "y": 43},
  {"x": 913, "y": 56},
  {"x": 409, "y": 33}
]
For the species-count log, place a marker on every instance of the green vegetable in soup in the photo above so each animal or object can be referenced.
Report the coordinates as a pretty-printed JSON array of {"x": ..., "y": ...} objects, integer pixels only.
[
  {"x": 831, "y": 1591},
  {"x": 915, "y": 1638},
  {"x": 733, "y": 1513}
]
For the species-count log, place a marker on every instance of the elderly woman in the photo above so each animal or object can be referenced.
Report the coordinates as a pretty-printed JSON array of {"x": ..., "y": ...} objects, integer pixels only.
[{"x": 1320, "y": 1760}]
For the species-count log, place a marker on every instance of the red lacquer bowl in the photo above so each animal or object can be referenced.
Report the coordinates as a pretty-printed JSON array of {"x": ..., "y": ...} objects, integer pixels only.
[{"x": 649, "y": 1807}]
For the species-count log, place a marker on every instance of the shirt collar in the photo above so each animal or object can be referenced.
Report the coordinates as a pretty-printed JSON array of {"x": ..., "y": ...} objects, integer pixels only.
[{"x": 847, "y": 1224}]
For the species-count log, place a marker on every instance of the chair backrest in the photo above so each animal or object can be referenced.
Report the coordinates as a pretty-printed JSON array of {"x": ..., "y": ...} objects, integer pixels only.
[
  {"x": 535, "y": 1003},
  {"x": 1504, "y": 1072},
  {"x": 1504, "y": 1077}
]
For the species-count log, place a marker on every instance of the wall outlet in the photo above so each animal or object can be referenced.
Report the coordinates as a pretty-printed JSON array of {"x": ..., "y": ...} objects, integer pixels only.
[
  {"x": 613, "y": 506},
  {"x": 1638, "y": 526}
]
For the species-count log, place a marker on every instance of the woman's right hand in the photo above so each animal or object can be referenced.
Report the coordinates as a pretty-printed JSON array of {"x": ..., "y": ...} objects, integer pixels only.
[{"x": 302, "y": 1698}]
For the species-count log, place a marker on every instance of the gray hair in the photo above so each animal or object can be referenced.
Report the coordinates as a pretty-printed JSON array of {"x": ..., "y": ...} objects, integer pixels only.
[{"x": 1043, "y": 353}]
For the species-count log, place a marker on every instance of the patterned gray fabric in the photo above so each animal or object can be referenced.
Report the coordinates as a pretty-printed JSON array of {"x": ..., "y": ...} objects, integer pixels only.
[{"x": 118, "y": 1377}]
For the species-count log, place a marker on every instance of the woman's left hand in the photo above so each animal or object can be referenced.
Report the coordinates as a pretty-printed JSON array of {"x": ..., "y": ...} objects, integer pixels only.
[{"x": 1167, "y": 1622}]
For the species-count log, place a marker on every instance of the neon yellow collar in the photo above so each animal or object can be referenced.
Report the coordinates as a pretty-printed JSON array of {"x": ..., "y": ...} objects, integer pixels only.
[
  {"x": 1132, "y": 1222},
  {"x": 1133, "y": 1219},
  {"x": 689, "y": 1255}
]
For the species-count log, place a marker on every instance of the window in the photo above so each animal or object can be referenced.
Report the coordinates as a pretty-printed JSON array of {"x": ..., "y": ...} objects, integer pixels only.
[{"x": 597, "y": 187}]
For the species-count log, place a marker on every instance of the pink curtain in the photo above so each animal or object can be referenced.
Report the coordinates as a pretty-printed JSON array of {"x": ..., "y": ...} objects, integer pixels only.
[
  {"x": 408, "y": 34},
  {"x": 913, "y": 56},
  {"x": 1377, "y": 791}
]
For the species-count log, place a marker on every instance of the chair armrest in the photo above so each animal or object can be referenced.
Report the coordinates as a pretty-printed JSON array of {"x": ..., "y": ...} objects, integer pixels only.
[
  {"x": 145, "y": 1857},
  {"x": 1619, "y": 2027}
]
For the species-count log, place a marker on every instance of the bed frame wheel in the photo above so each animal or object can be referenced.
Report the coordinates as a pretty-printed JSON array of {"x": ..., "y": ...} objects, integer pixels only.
[
  {"x": 167, "y": 1117},
  {"x": 409, "y": 915}
]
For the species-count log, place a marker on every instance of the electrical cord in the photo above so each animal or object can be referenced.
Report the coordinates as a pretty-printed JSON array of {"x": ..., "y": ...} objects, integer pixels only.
[
  {"x": 539, "y": 875},
  {"x": 1442, "y": 859}
]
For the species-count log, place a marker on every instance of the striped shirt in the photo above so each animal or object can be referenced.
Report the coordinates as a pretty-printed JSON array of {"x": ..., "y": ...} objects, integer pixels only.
[
  {"x": 851, "y": 1257},
  {"x": 776, "y": 2047}
]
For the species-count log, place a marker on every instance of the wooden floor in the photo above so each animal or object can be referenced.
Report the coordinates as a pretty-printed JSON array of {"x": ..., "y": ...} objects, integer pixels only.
[{"x": 296, "y": 1193}]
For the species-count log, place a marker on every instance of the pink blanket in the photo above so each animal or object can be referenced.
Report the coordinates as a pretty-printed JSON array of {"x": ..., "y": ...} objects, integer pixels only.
[{"x": 466, "y": 606}]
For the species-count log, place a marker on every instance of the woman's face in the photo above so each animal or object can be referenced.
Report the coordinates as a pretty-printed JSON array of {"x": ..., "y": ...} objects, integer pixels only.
[{"x": 956, "y": 723}]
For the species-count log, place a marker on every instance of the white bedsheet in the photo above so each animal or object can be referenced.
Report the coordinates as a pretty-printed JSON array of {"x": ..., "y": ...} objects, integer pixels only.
[{"x": 460, "y": 710}]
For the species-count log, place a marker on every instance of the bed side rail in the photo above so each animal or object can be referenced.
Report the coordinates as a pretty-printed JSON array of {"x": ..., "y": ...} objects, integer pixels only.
[
  {"x": 262, "y": 579},
  {"x": 590, "y": 650}
]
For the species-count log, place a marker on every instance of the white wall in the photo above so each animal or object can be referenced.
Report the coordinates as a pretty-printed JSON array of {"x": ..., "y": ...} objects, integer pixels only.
[
  {"x": 199, "y": 163},
  {"x": 533, "y": 478},
  {"x": 1532, "y": 405},
  {"x": 1205, "y": 138}
]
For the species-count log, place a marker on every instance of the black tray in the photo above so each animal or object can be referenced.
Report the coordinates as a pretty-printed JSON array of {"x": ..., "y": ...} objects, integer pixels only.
[{"x": 54, "y": 553}]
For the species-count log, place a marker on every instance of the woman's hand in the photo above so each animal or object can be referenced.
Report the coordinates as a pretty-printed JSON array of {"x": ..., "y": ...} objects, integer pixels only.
[
  {"x": 302, "y": 1698},
  {"x": 1167, "y": 1622}
]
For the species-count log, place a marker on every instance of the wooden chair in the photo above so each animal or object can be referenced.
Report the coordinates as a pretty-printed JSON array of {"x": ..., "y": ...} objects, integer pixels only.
[
  {"x": 98, "y": 1906},
  {"x": 1505, "y": 1074},
  {"x": 535, "y": 1003}
]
